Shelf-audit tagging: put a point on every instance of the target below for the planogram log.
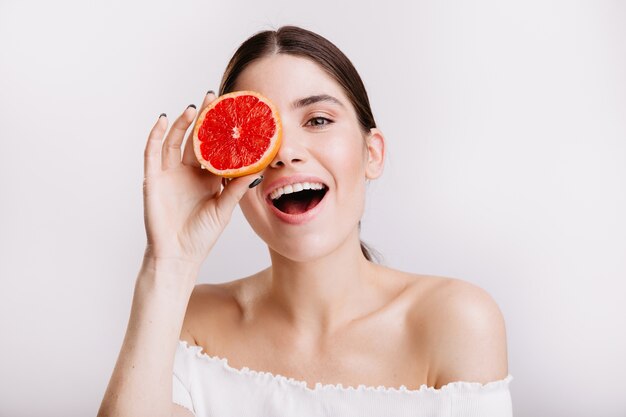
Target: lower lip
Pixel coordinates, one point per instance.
(298, 218)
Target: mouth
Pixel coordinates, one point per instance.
(298, 198)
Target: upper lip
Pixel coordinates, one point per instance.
(292, 179)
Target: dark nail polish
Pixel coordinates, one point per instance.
(256, 182)
(191, 105)
(210, 92)
(162, 115)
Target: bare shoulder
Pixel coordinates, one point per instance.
(210, 307)
(464, 329)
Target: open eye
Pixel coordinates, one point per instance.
(318, 122)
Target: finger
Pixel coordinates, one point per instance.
(171, 144)
(189, 156)
(152, 153)
(234, 191)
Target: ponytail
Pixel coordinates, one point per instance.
(371, 254)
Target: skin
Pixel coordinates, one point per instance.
(321, 312)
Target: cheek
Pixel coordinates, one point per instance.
(251, 209)
(245, 204)
(347, 161)
(250, 204)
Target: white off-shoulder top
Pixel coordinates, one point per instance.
(209, 387)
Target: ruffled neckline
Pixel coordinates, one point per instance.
(452, 387)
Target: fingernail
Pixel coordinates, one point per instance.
(256, 182)
(210, 92)
(162, 115)
(191, 105)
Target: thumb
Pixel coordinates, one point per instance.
(234, 191)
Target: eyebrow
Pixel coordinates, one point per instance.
(307, 101)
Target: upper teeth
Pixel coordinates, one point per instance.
(294, 188)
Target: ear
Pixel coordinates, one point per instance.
(376, 154)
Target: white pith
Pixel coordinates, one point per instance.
(295, 187)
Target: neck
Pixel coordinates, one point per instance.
(318, 297)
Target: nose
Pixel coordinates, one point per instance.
(291, 152)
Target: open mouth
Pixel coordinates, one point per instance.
(298, 198)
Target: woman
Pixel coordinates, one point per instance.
(323, 330)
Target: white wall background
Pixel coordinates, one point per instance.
(506, 128)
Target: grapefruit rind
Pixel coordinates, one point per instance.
(253, 168)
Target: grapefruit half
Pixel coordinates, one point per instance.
(238, 134)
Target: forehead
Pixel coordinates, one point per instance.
(285, 78)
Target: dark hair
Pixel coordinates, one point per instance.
(293, 40)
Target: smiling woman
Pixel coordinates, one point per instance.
(323, 330)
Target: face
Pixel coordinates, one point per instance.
(323, 148)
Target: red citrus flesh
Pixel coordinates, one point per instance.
(237, 134)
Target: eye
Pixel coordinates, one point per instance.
(318, 122)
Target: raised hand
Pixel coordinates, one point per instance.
(185, 207)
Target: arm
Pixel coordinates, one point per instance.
(141, 384)
(185, 211)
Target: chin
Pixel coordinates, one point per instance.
(313, 247)
(300, 252)
(309, 239)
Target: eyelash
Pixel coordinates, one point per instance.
(319, 126)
